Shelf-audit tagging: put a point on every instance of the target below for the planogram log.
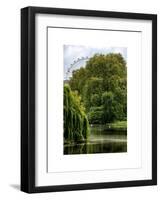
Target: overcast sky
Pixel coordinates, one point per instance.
(73, 52)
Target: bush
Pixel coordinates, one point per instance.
(95, 116)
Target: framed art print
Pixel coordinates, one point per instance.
(88, 99)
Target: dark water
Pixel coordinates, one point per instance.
(100, 140)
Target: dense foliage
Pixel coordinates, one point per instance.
(102, 85)
(76, 126)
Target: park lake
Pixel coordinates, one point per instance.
(101, 140)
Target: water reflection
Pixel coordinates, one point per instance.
(101, 140)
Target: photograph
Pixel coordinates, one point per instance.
(95, 99)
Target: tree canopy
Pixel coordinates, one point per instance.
(102, 86)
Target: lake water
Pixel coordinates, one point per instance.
(100, 140)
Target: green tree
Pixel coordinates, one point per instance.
(96, 115)
(78, 80)
(102, 85)
(92, 90)
(76, 126)
(108, 107)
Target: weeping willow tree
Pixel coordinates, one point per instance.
(76, 126)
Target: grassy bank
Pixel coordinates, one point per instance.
(115, 126)
(121, 125)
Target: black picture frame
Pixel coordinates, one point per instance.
(28, 98)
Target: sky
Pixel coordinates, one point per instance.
(73, 52)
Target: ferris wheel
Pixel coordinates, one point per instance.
(75, 65)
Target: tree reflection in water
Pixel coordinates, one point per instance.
(100, 141)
